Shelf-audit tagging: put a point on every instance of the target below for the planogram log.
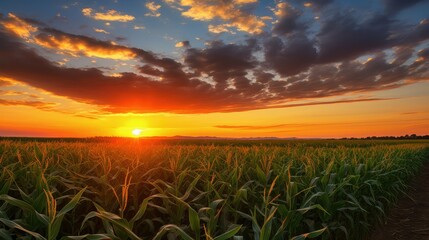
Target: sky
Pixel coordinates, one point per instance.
(226, 68)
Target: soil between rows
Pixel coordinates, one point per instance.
(409, 218)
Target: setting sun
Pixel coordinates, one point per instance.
(136, 132)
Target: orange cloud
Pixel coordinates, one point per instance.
(75, 45)
(110, 15)
(17, 93)
(71, 44)
(245, 1)
(220, 28)
(18, 26)
(228, 11)
(36, 104)
(4, 83)
(308, 4)
(182, 44)
(153, 8)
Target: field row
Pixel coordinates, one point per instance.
(135, 190)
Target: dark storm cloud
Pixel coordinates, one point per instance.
(288, 20)
(343, 37)
(394, 6)
(421, 66)
(171, 72)
(223, 62)
(354, 76)
(321, 3)
(413, 34)
(121, 39)
(424, 54)
(402, 54)
(292, 57)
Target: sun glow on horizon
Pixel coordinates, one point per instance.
(136, 132)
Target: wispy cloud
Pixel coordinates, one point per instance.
(136, 27)
(153, 9)
(99, 30)
(253, 127)
(182, 44)
(110, 15)
(297, 127)
(18, 93)
(36, 104)
(4, 83)
(221, 28)
(412, 113)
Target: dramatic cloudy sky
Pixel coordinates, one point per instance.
(238, 68)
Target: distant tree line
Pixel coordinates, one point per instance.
(412, 136)
(206, 139)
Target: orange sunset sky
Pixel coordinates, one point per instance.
(239, 68)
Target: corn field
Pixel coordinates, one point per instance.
(137, 190)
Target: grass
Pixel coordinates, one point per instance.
(216, 190)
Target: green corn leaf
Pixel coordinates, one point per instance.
(72, 204)
(91, 237)
(172, 228)
(194, 221)
(16, 202)
(15, 225)
(5, 235)
(228, 234)
(143, 207)
(100, 236)
(315, 206)
(313, 234)
(115, 220)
